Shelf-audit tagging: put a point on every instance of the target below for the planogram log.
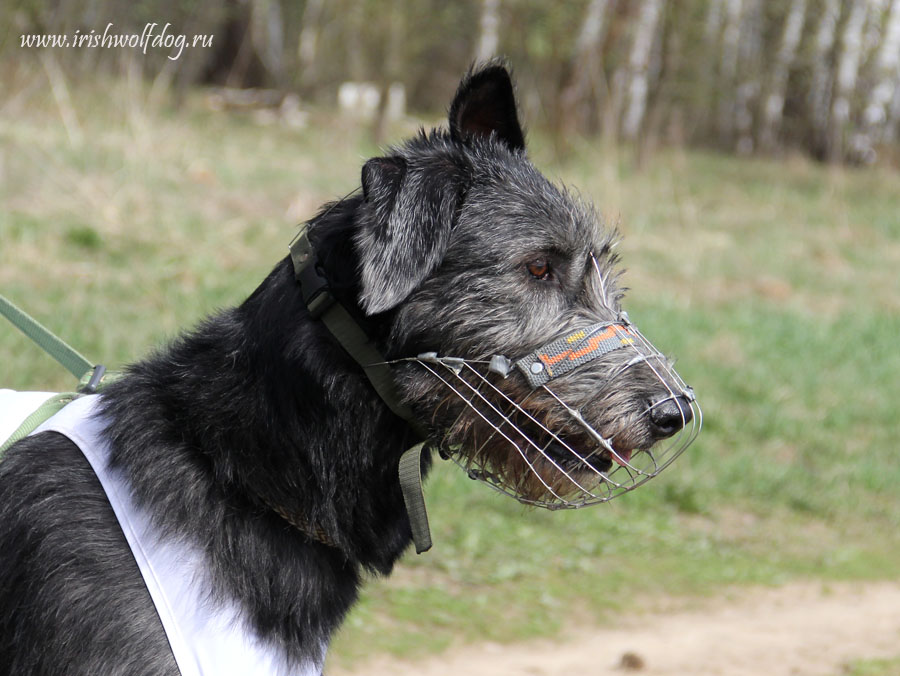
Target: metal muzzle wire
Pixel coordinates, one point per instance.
(561, 473)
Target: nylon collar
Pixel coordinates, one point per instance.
(325, 307)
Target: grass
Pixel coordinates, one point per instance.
(889, 667)
(774, 282)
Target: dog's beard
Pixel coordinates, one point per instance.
(514, 453)
(534, 445)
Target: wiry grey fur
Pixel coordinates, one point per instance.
(466, 291)
(258, 420)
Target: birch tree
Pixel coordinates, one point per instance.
(773, 108)
(713, 23)
(712, 31)
(267, 27)
(638, 64)
(731, 36)
(582, 93)
(722, 71)
(392, 67)
(845, 79)
(892, 128)
(886, 78)
(749, 76)
(489, 30)
(821, 86)
(875, 11)
(309, 40)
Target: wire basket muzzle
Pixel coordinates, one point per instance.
(518, 434)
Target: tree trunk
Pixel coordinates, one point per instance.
(664, 64)
(713, 25)
(393, 67)
(887, 74)
(638, 64)
(774, 104)
(731, 36)
(821, 86)
(892, 127)
(309, 42)
(845, 79)
(749, 75)
(489, 30)
(875, 11)
(581, 97)
(268, 38)
(707, 90)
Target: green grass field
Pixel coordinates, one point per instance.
(875, 668)
(776, 285)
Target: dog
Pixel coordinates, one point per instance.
(259, 448)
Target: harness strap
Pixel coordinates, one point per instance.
(45, 411)
(91, 378)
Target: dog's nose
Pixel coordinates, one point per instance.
(669, 415)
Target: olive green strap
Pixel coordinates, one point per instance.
(322, 305)
(43, 412)
(91, 378)
(74, 361)
(411, 485)
(352, 338)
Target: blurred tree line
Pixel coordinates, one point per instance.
(821, 76)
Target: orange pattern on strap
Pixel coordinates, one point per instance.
(592, 345)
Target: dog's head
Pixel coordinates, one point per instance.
(499, 293)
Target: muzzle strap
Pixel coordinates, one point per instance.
(571, 351)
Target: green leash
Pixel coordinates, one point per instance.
(75, 362)
(91, 378)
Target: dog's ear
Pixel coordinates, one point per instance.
(404, 226)
(485, 104)
(381, 181)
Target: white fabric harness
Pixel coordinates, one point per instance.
(207, 638)
(15, 407)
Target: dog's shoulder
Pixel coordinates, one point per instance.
(63, 558)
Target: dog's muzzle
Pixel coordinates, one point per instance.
(571, 475)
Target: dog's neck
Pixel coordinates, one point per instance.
(330, 431)
(260, 401)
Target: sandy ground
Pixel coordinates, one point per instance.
(796, 630)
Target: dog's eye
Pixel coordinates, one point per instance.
(540, 269)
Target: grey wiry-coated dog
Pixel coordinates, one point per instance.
(259, 441)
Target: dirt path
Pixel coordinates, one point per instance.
(796, 630)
